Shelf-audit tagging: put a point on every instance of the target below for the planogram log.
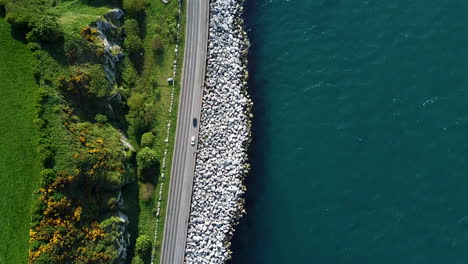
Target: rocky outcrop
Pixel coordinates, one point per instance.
(221, 163)
(117, 236)
(109, 32)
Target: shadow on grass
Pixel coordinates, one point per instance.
(101, 3)
(138, 62)
(143, 24)
(151, 175)
(56, 50)
(19, 33)
(131, 198)
(159, 56)
(2, 11)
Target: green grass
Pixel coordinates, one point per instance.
(74, 15)
(160, 16)
(19, 164)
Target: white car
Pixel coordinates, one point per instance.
(192, 141)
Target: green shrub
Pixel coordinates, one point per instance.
(44, 258)
(176, 13)
(45, 148)
(33, 46)
(136, 101)
(134, 7)
(142, 115)
(137, 260)
(154, 82)
(133, 45)
(35, 64)
(17, 19)
(46, 29)
(76, 84)
(129, 74)
(39, 123)
(113, 181)
(147, 158)
(173, 32)
(35, 245)
(56, 196)
(99, 86)
(131, 27)
(147, 139)
(37, 212)
(111, 203)
(42, 95)
(77, 48)
(100, 118)
(46, 154)
(143, 246)
(48, 176)
(86, 84)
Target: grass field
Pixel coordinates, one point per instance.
(19, 164)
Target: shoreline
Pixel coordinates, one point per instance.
(225, 135)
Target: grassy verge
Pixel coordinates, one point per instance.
(160, 68)
(19, 164)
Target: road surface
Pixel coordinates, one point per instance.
(183, 162)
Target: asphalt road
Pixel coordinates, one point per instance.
(183, 162)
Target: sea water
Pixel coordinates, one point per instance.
(360, 151)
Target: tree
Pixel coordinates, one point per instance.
(131, 27)
(147, 158)
(142, 115)
(134, 7)
(47, 29)
(136, 101)
(143, 246)
(137, 260)
(147, 139)
(18, 18)
(100, 118)
(133, 45)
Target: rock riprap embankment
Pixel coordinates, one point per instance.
(221, 164)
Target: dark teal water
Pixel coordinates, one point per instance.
(360, 150)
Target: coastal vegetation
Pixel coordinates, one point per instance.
(101, 107)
